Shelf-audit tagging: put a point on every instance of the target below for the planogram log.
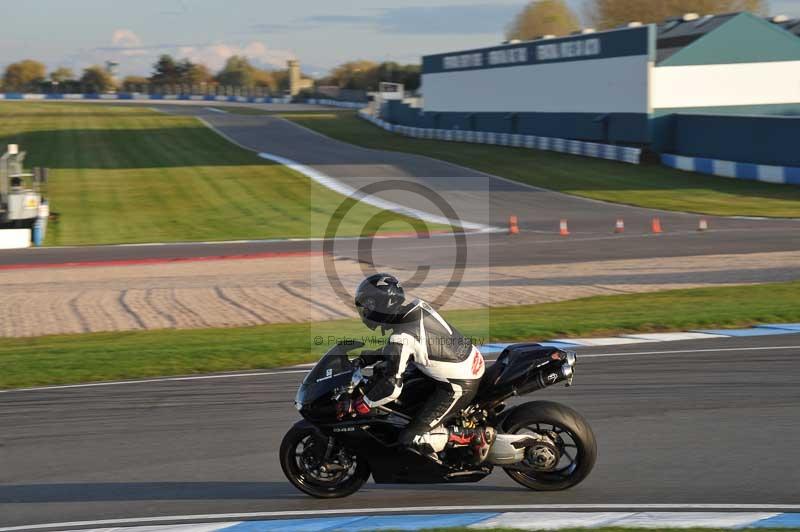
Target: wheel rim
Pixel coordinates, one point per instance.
(538, 462)
(310, 469)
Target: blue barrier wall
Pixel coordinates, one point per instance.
(629, 128)
(769, 140)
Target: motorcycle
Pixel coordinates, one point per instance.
(542, 445)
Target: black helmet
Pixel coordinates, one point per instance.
(378, 298)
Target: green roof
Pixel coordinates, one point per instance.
(744, 38)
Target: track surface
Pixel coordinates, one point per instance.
(474, 196)
(715, 422)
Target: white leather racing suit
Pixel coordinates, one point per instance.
(422, 338)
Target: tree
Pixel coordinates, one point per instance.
(62, 74)
(365, 75)
(267, 79)
(135, 83)
(97, 79)
(24, 76)
(543, 17)
(359, 75)
(606, 14)
(408, 75)
(193, 73)
(165, 71)
(237, 72)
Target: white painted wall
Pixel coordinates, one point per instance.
(613, 85)
(722, 85)
(15, 238)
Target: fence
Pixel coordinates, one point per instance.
(575, 147)
(785, 175)
(142, 96)
(758, 140)
(337, 103)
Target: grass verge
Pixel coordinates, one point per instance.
(648, 185)
(611, 529)
(127, 175)
(123, 355)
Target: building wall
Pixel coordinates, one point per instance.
(588, 87)
(614, 85)
(768, 140)
(720, 85)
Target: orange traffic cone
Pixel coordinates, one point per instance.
(563, 229)
(620, 227)
(703, 225)
(513, 225)
(657, 225)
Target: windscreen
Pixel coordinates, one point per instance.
(333, 363)
(332, 371)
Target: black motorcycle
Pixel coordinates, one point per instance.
(542, 445)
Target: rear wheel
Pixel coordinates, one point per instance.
(566, 454)
(319, 466)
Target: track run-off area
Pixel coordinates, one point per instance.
(710, 422)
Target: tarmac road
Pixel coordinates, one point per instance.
(475, 197)
(712, 421)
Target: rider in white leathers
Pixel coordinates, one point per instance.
(422, 338)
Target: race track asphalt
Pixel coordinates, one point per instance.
(475, 197)
(711, 421)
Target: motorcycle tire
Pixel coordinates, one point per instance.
(305, 482)
(548, 414)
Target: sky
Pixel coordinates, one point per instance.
(321, 33)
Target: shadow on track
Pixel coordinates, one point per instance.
(160, 491)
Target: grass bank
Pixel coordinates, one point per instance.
(613, 529)
(131, 174)
(108, 356)
(648, 185)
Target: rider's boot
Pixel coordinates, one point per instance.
(479, 439)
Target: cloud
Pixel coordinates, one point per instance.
(428, 20)
(215, 55)
(125, 38)
(127, 43)
(136, 57)
(785, 7)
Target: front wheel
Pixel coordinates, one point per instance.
(319, 466)
(564, 458)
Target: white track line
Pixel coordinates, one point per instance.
(295, 371)
(685, 351)
(163, 379)
(347, 191)
(407, 509)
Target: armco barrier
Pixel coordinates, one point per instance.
(576, 147)
(176, 97)
(784, 175)
(336, 103)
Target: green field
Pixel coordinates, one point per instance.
(107, 356)
(130, 174)
(615, 529)
(648, 185)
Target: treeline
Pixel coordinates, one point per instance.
(366, 75)
(175, 76)
(554, 17)
(31, 76)
(169, 75)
